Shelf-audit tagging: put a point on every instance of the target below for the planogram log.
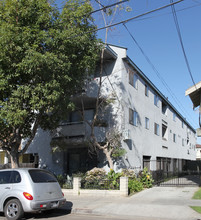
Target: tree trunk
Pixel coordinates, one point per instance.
(109, 159)
(14, 156)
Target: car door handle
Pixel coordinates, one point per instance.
(7, 188)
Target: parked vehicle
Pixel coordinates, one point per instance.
(28, 190)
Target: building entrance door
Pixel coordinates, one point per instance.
(74, 163)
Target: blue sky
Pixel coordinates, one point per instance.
(157, 35)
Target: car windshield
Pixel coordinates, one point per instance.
(40, 176)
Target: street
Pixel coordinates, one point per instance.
(62, 214)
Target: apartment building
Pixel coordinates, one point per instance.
(154, 133)
(198, 152)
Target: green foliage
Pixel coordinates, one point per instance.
(197, 194)
(61, 179)
(146, 178)
(134, 185)
(196, 208)
(118, 152)
(114, 177)
(45, 57)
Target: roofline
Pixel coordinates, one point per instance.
(111, 52)
(145, 78)
(113, 45)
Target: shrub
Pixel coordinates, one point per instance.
(128, 173)
(61, 179)
(134, 185)
(146, 178)
(114, 177)
(95, 174)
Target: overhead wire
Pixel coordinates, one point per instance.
(181, 42)
(158, 74)
(103, 7)
(183, 9)
(127, 20)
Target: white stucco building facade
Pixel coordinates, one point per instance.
(155, 134)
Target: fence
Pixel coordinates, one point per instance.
(102, 184)
(105, 186)
(183, 178)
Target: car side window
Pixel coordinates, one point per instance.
(15, 177)
(5, 177)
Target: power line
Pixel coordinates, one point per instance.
(158, 74)
(101, 9)
(183, 9)
(181, 41)
(127, 20)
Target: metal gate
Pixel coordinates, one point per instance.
(184, 178)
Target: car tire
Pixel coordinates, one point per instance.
(13, 210)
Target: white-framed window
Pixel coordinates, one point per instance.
(156, 129)
(147, 123)
(156, 100)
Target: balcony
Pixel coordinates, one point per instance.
(77, 133)
(69, 130)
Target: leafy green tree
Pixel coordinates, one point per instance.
(45, 56)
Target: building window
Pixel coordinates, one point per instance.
(131, 74)
(182, 141)
(182, 124)
(156, 100)
(147, 123)
(156, 129)
(135, 81)
(164, 108)
(146, 162)
(164, 132)
(146, 90)
(133, 78)
(133, 117)
(174, 138)
(174, 116)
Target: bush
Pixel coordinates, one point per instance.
(146, 178)
(114, 177)
(134, 185)
(95, 174)
(128, 173)
(61, 179)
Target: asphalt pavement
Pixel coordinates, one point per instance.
(157, 203)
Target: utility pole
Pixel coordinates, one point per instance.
(194, 93)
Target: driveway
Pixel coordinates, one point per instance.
(157, 203)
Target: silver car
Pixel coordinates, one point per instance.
(28, 190)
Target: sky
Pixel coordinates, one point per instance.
(161, 57)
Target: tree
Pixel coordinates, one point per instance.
(111, 146)
(45, 56)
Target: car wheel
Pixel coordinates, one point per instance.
(13, 210)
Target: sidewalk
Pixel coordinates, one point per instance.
(157, 203)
